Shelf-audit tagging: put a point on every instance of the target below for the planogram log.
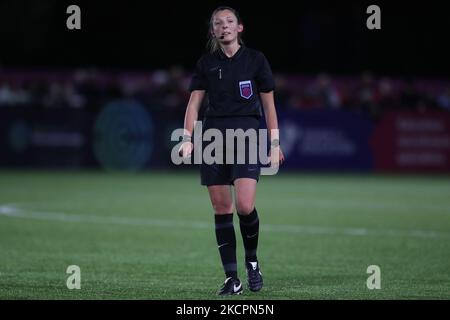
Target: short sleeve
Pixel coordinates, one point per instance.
(264, 76)
(198, 80)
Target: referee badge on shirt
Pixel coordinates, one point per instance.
(245, 88)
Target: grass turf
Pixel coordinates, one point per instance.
(150, 236)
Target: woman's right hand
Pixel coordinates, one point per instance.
(186, 149)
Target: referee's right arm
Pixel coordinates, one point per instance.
(195, 101)
(193, 107)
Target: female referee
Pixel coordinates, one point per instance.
(238, 80)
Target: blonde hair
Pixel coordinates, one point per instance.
(213, 44)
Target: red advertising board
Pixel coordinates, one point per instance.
(412, 142)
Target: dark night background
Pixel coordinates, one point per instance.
(296, 36)
(88, 145)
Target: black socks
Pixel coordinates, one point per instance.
(226, 241)
(250, 230)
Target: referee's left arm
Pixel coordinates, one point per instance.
(275, 154)
(267, 100)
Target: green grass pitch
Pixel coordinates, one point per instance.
(150, 235)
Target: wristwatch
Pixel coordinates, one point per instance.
(275, 143)
(187, 138)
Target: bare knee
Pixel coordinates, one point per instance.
(221, 199)
(244, 207)
(222, 207)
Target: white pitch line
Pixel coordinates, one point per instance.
(333, 204)
(14, 211)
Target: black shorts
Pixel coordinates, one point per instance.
(225, 174)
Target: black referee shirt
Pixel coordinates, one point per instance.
(233, 83)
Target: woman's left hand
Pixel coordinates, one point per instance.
(276, 156)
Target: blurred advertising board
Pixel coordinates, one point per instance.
(412, 142)
(326, 140)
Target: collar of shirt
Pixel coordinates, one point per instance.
(223, 56)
